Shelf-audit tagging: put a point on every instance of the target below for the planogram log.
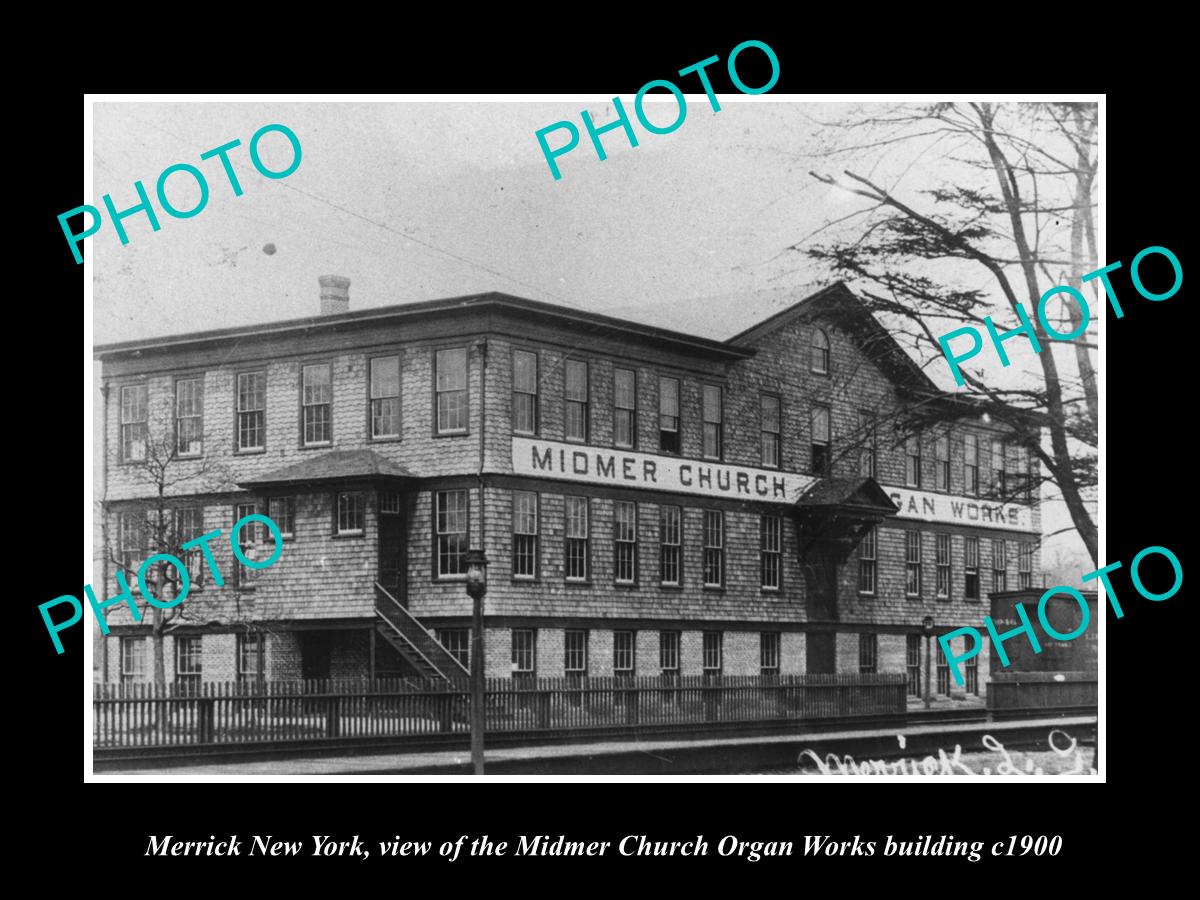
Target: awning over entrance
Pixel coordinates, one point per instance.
(831, 518)
(334, 465)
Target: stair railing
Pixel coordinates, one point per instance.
(409, 618)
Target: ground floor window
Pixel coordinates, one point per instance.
(133, 659)
(768, 654)
(188, 668)
(712, 654)
(913, 660)
(972, 675)
(623, 654)
(868, 654)
(943, 675)
(458, 642)
(524, 647)
(249, 658)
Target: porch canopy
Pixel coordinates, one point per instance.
(333, 466)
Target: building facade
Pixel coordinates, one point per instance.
(650, 502)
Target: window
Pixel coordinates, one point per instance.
(625, 542)
(819, 362)
(668, 415)
(524, 653)
(972, 673)
(189, 416)
(821, 456)
(525, 392)
(350, 513)
(943, 567)
(457, 642)
(1024, 565)
(912, 460)
(451, 519)
(669, 541)
(576, 397)
(769, 425)
(385, 397)
(768, 654)
(189, 525)
(770, 545)
(282, 511)
(941, 455)
(866, 562)
(188, 665)
(451, 389)
(868, 452)
(1024, 474)
(913, 660)
(912, 563)
(525, 534)
(577, 538)
(623, 654)
(252, 411)
(868, 654)
(971, 568)
(133, 659)
(624, 408)
(999, 479)
(714, 548)
(575, 654)
(712, 415)
(943, 674)
(251, 539)
(971, 465)
(999, 566)
(133, 422)
(712, 654)
(668, 654)
(133, 539)
(317, 401)
(249, 658)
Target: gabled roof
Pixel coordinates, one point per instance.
(332, 465)
(839, 305)
(855, 493)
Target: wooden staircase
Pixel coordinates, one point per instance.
(414, 641)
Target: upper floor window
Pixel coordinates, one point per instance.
(624, 408)
(769, 424)
(576, 398)
(999, 477)
(867, 447)
(525, 392)
(134, 415)
(668, 415)
(821, 455)
(971, 568)
(318, 404)
(282, 511)
(251, 541)
(866, 562)
(625, 541)
(451, 389)
(820, 352)
(770, 551)
(385, 397)
(350, 513)
(134, 540)
(1024, 565)
(912, 563)
(943, 567)
(1024, 474)
(252, 410)
(452, 534)
(999, 565)
(525, 534)
(189, 525)
(577, 538)
(941, 455)
(669, 542)
(189, 416)
(712, 414)
(971, 465)
(714, 548)
(912, 461)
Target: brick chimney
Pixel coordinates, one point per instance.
(335, 294)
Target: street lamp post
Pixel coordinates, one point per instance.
(476, 588)
(927, 624)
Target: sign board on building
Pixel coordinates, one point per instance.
(1064, 614)
(626, 468)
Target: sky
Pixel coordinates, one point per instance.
(420, 200)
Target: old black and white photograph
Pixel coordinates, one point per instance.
(538, 437)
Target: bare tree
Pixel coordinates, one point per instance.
(1026, 221)
(160, 522)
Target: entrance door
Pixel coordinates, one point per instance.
(391, 544)
(314, 654)
(821, 653)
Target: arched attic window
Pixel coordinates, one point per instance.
(819, 362)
